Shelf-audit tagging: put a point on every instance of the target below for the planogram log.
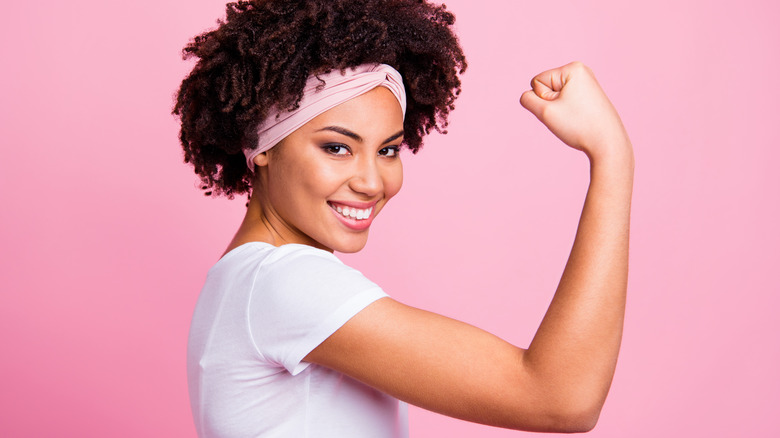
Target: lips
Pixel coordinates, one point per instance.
(352, 212)
(355, 217)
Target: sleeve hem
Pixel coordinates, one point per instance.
(294, 363)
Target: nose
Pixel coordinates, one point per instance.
(367, 178)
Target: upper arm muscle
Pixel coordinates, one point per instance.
(434, 362)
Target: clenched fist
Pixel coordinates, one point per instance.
(570, 102)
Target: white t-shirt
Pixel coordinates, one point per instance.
(262, 310)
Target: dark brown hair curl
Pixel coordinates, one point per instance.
(261, 55)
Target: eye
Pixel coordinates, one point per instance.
(336, 149)
(389, 151)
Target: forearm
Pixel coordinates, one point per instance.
(575, 349)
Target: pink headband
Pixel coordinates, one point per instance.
(318, 98)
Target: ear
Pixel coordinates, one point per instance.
(261, 159)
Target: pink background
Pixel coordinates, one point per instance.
(106, 241)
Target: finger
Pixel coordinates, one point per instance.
(544, 90)
(548, 84)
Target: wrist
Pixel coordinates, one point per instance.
(614, 167)
(614, 153)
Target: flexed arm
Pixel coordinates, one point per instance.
(560, 382)
(577, 344)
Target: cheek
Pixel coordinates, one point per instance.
(322, 179)
(303, 176)
(394, 179)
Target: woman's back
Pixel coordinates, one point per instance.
(262, 309)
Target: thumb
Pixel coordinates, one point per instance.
(533, 103)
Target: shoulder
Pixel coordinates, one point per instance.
(304, 268)
(301, 255)
(286, 267)
(266, 257)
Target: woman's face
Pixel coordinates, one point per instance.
(325, 183)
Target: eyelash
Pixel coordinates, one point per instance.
(385, 151)
(396, 150)
(329, 148)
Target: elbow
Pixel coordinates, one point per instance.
(574, 419)
(568, 404)
(579, 423)
(571, 416)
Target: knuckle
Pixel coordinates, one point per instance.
(579, 66)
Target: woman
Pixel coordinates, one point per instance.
(304, 105)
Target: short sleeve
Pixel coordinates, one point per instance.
(301, 296)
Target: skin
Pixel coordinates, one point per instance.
(347, 155)
(559, 383)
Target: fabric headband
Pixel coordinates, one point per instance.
(317, 98)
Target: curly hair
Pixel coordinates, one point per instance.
(261, 55)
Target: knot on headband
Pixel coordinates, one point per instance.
(317, 98)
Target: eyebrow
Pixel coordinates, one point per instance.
(346, 132)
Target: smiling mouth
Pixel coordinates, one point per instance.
(351, 212)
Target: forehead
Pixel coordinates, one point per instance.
(377, 109)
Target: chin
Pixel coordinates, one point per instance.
(349, 250)
(349, 247)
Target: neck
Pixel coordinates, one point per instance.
(256, 226)
(261, 224)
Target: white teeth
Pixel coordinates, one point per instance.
(354, 213)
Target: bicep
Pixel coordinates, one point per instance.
(434, 362)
